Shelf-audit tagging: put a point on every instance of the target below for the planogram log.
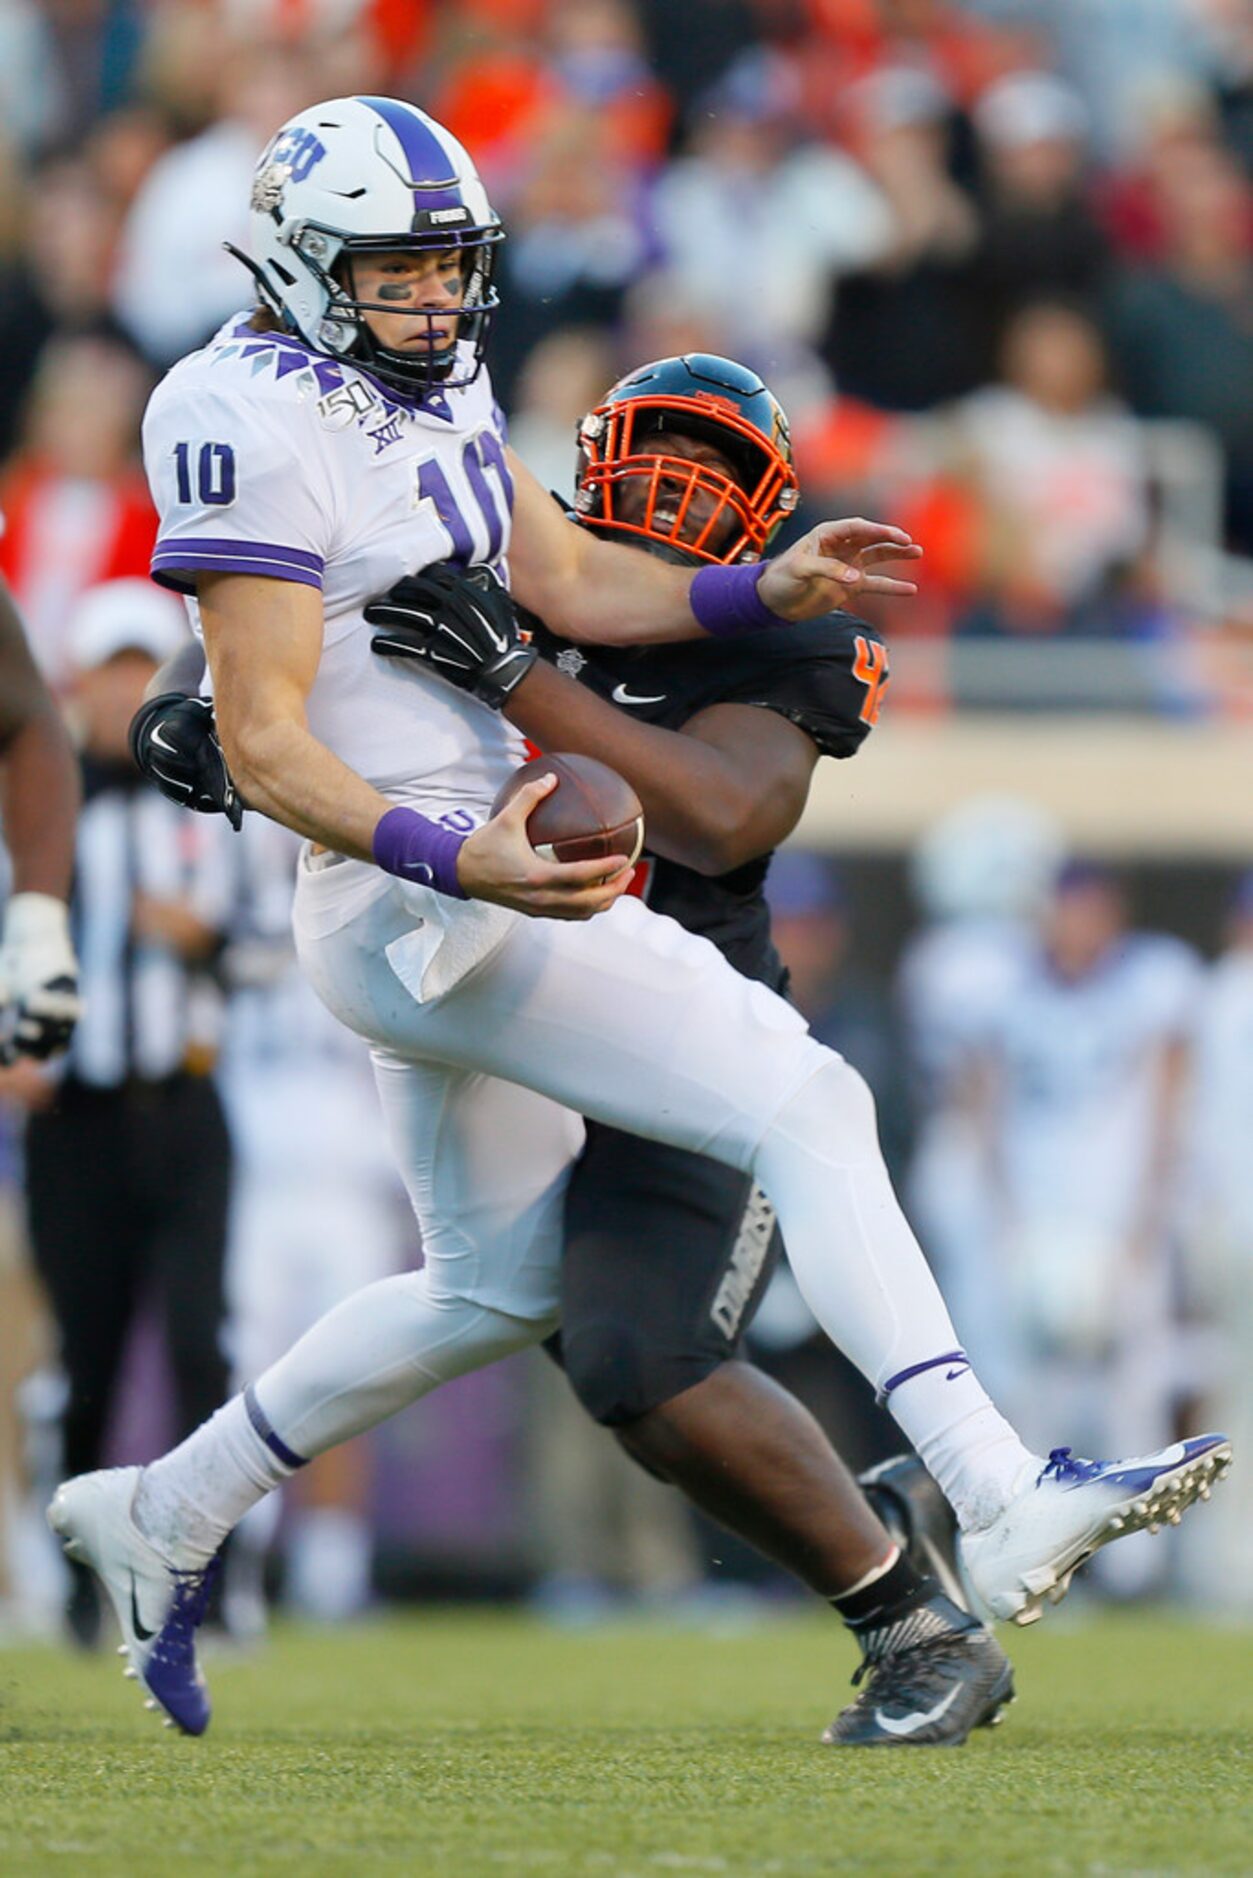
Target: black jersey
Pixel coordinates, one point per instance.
(828, 676)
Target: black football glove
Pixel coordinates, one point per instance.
(174, 741)
(460, 623)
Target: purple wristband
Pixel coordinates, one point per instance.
(415, 848)
(726, 602)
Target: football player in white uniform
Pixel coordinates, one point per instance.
(316, 1212)
(313, 452)
(1218, 1223)
(1085, 1059)
(980, 874)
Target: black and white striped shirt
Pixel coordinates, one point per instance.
(147, 1009)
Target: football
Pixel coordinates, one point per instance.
(592, 812)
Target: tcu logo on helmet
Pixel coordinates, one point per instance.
(299, 149)
(289, 159)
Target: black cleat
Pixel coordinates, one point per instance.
(919, 1520)
(926, 1690)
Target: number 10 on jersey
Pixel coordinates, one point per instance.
(214, 474)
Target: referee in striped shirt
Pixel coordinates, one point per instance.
(128, 1160)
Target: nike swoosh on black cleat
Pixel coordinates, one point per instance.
(910, 1724)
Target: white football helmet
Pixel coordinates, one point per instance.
(991, 857)
(361, 175)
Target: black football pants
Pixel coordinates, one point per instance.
(667, 1255)
(127, 1194)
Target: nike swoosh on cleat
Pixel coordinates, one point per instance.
(141, 1630)
(622, 696)
(910, 1724)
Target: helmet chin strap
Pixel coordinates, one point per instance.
(437, 365)
(265, 290)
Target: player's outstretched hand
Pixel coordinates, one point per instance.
(835, 565)
(497, 862)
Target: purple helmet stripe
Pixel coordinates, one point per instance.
(429, 163)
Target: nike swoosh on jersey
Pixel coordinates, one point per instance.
(621, 695)
(141, 1629)
(910, 1724)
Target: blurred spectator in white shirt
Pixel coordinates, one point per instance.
(32, 96)
(175, 283)
(757, 224)
(1058, 466)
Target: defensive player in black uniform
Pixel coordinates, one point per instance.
(667, 1253)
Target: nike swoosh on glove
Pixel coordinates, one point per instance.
(38, 977)
(460, 623)
(174, 741)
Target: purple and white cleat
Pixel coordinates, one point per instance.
(158, 1605)
(1065, 1510)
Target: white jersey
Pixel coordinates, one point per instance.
(1222, 1099)
(269, 459)
(1078, 1061)
(952, 976)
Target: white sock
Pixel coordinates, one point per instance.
(379, 1350)
(963, 1440)
(191, 1498)
(863, 1275)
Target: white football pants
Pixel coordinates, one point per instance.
(629, 1020)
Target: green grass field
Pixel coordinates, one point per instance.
(450, 1746)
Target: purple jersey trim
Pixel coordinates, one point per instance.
(432, 171)
(213, 554)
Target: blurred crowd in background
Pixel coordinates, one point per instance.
(996, 259)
